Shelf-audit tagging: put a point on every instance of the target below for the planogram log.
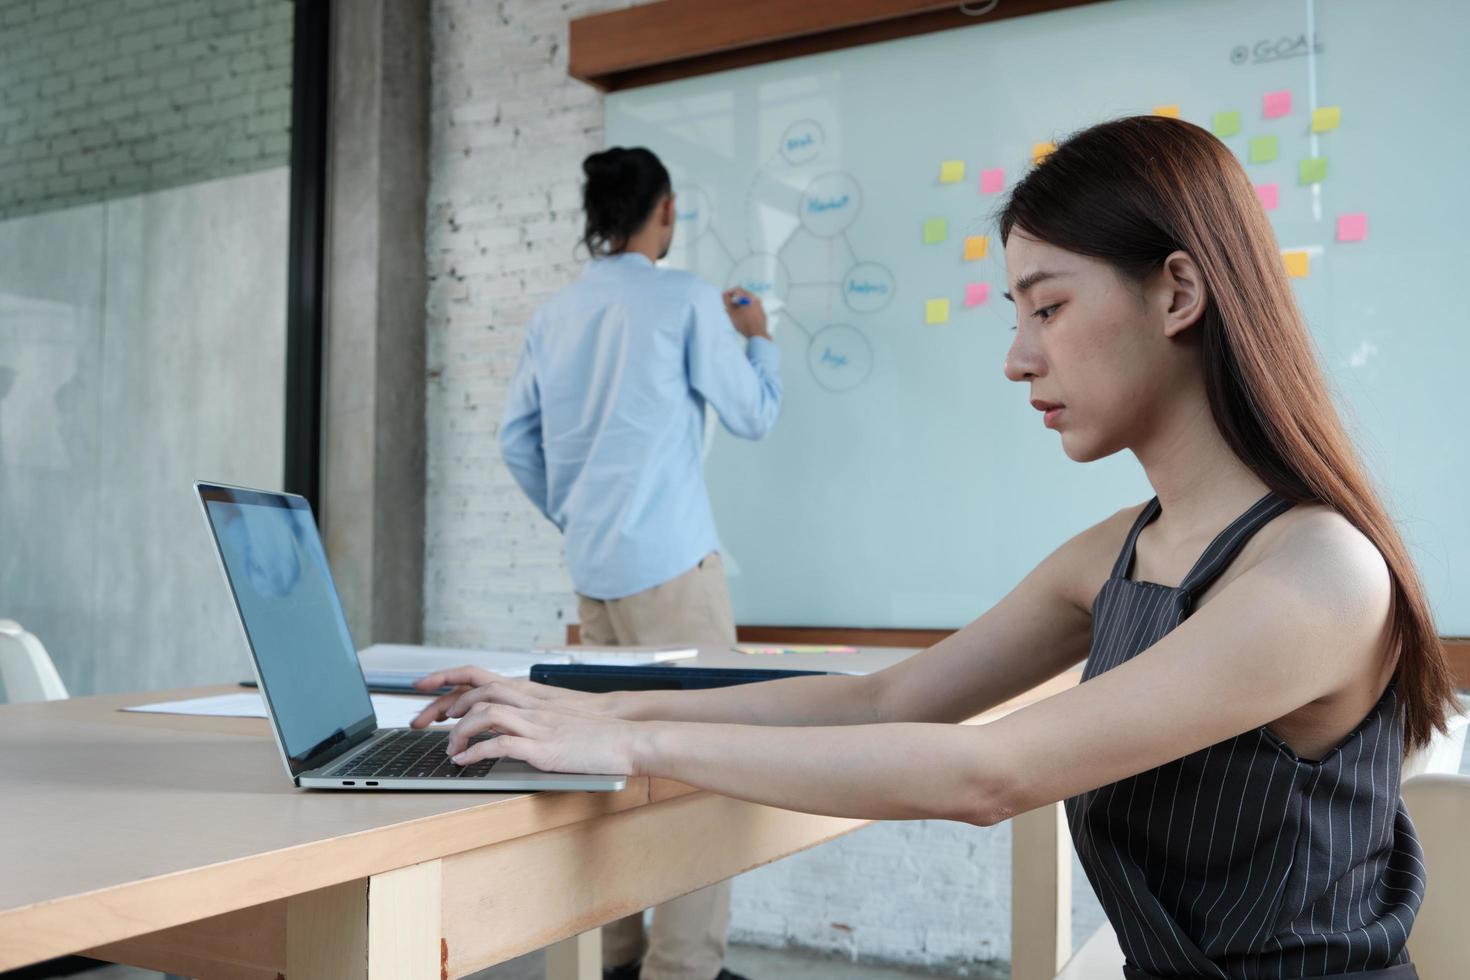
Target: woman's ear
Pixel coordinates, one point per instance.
(666, 213)
(1183, 289)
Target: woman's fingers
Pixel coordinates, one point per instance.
(500, 747)
(455, 677)
(498, 718)
(437, 709)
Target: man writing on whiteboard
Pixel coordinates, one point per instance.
(604, 430)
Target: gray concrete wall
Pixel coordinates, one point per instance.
(142, 346)
(112, 98)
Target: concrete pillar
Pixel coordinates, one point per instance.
(373, 402)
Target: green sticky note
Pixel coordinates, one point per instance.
(1312, 170)
(935, 230)
(1326, 118)
(1263, 149)
(1224, 124)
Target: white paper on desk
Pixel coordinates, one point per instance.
(392, 711)
(390, 662)
(618, 656)
(405, 660)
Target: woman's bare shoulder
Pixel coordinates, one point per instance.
(1086, 560)
(1318, 556)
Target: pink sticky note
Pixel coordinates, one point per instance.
(992, 181)
(1270, 195)
(1274, 105)
(976, 293)
(1352, 227)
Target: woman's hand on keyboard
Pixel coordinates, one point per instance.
(556, 737)
(475, 685)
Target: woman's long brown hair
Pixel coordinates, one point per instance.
(1132, 191)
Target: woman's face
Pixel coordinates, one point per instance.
(1091, 346)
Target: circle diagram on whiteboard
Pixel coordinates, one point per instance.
(691, 211)
(867, 287)
(830, 204)
(840, 357)
(763, 274)
(802, 142)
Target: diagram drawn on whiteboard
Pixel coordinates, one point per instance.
(794, 252)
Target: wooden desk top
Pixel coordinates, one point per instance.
(114, 824)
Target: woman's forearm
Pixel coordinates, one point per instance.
(882, 772)
(795, 701)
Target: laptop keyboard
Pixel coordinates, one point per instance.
(412, 754)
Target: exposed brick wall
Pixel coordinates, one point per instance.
(102, 99)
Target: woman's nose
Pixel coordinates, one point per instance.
(1023, 361)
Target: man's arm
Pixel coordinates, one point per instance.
(738, 371)
(520, 432)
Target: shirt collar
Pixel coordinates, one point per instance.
(623, 258)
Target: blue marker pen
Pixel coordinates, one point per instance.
(742, 300)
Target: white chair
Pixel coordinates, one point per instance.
(1439, 804)
(25, 668)
(1041, 882)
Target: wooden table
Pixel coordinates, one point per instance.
(178, 844)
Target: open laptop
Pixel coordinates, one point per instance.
(307, 668)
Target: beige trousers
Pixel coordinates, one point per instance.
(687, 939)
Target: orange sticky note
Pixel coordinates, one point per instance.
(1270, 195)
(976, 293)
(976, 246)
(1352, 227)
(1298, 264)
(992, 181)
(1274, 105)
(1172, 111)
(1040, 151)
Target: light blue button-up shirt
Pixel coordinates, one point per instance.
(604, 426)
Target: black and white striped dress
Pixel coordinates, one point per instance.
(1241, 860)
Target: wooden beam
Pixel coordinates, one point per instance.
(670, 39)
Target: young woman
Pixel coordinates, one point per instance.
(1258, 648)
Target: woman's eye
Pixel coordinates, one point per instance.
(1046, 312)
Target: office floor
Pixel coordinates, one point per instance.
(754, 962)
(751, 961)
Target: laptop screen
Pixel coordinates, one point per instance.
(278, 572)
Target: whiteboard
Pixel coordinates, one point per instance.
(907, 483)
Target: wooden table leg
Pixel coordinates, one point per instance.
(387, 927)
(576, 958)
(1041, 893)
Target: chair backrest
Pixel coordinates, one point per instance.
(1445, 749)
(25, 667)
(1439, 804)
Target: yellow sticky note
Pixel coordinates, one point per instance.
(1172, 111)
(936, 311)
(951, 171)
(1328, 117)
(1297, 264)
(976, 246)
(1040, 151)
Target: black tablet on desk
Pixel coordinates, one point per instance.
(601, 679)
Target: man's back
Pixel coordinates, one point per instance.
(604, 422)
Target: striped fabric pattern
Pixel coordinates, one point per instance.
(1243, 861)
